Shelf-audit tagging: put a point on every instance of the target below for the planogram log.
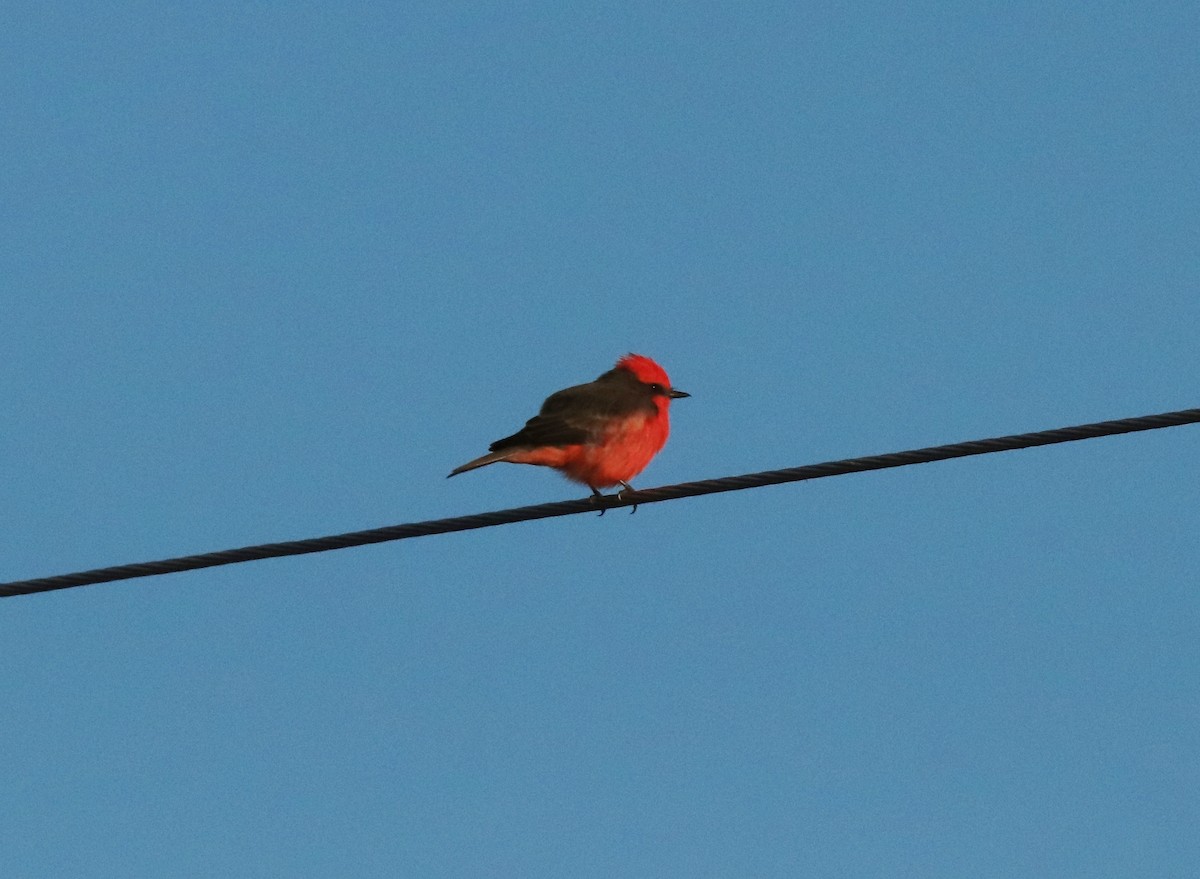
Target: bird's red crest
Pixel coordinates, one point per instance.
(644, 369)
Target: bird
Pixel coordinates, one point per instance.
(600, 434)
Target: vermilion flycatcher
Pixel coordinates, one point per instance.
(601, 434)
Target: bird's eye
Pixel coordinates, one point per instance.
(658, 389)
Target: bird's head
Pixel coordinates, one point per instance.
(650, 373)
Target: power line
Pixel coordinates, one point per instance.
(590, 505)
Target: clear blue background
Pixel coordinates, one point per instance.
(270, 270)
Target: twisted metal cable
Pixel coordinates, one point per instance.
(591, 505)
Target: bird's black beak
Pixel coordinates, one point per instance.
(675, 394)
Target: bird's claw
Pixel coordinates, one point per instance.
(598, 497)
(625, 486)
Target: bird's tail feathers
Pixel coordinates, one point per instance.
(489, 458)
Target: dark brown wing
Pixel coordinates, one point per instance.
(579, 415)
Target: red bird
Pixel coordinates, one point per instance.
(601, 434)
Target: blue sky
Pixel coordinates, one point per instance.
(270, 271)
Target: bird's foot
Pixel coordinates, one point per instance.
(598, 497)
(625, 486)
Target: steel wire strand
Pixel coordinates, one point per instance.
(586, 505)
